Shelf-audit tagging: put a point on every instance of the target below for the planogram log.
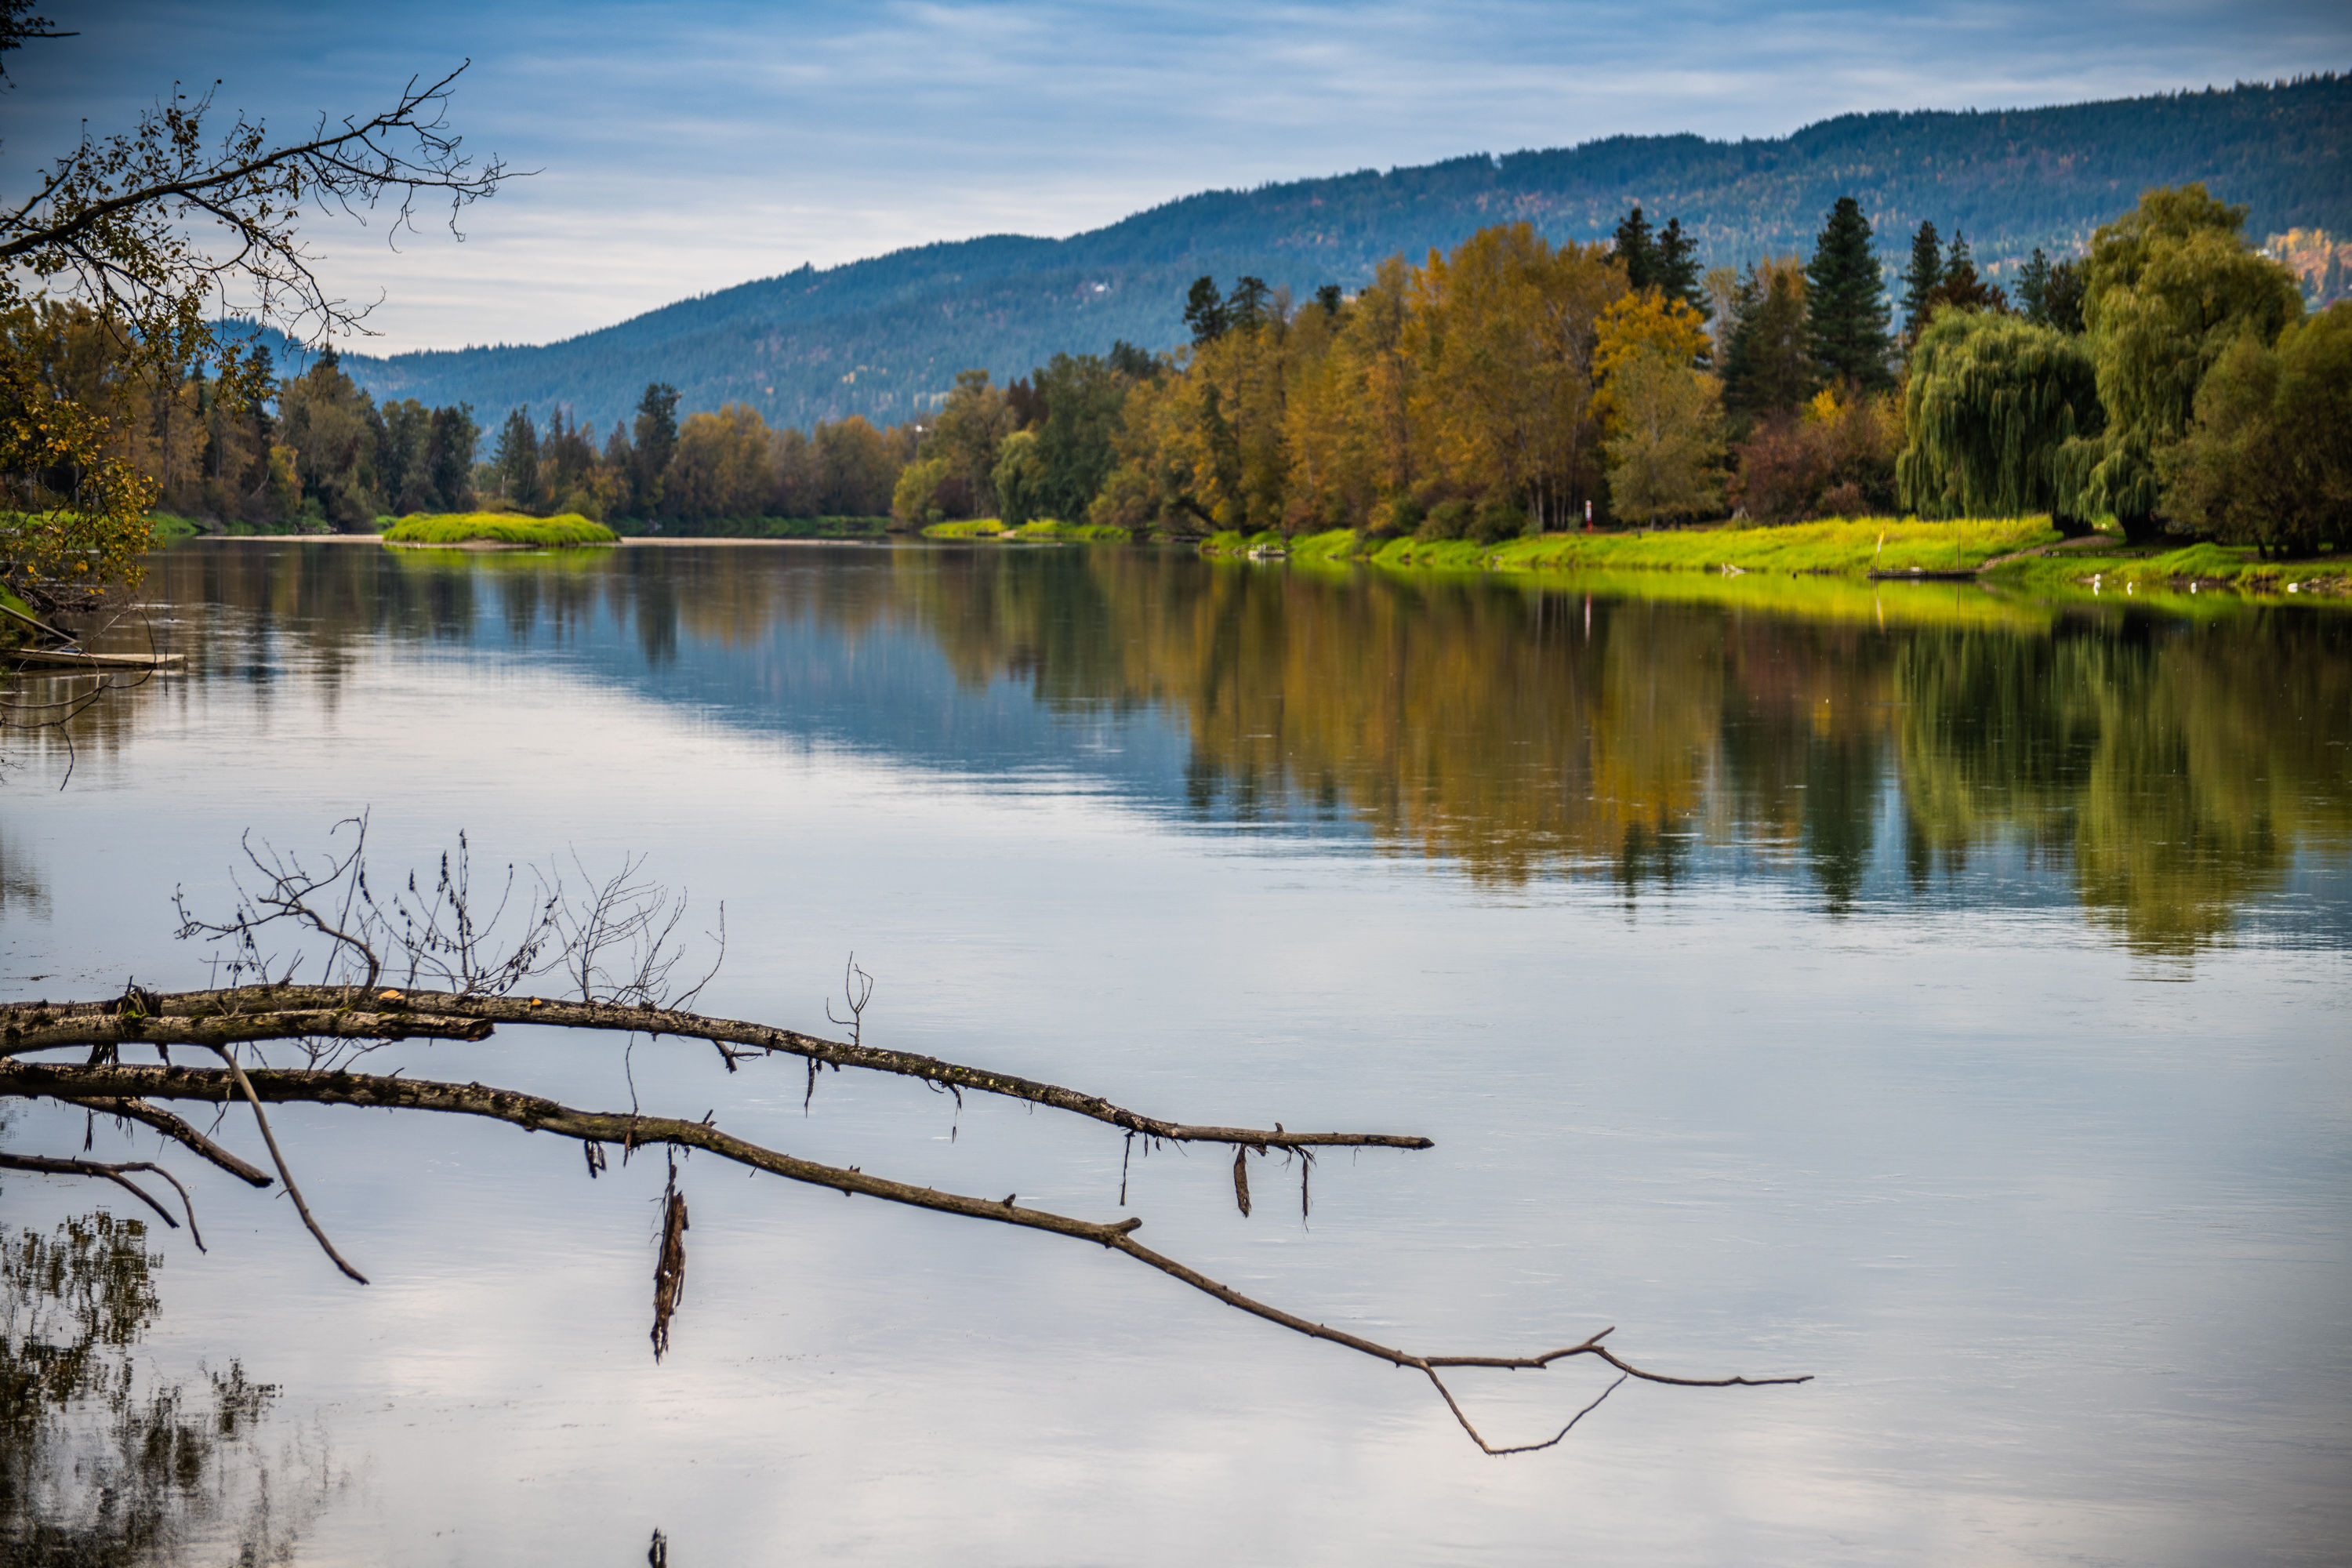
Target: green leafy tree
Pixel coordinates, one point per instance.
(972, 423)
(1921, 278)
(2269, 460)
(1988, 409)
(914, 499)
(1845, 302)
(1665, 447)
(1020, 479)
(2170, 287)
(1077, 444)
(330, 424)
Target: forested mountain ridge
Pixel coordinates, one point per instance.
(885, 337)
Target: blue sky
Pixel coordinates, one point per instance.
(684, 148)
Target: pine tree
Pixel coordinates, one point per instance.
(1637, 251)
(1205, 311)
(1845, 301)
(1921, 279)
(517, 458)
(1963, 285)
(2033, 288)
(1245, 307)
(1675, 267)
(2062, 297)
(1765, 370)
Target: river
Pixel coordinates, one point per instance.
(1939, 993)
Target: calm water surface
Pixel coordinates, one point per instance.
(1923, 990)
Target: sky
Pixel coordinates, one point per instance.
(678, 149)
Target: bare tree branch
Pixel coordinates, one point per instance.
(173, 1128)
(43, 1165)
(540, 1115)
(244, 1084)
(260, 1012)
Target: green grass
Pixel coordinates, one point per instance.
(498, 528)
(1044, 529)
(2175, 578)
(1842, 547)
(171, 525)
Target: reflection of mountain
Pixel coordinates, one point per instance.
(2166, 777)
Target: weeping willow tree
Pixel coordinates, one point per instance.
(1992, 407)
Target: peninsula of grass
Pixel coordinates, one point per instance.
(488, 530)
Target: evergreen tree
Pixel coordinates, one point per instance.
(2062, 297)
(1845, 301)
(517, 458)
(1330, 298)
(1637, 251)
(1246, 306)
(1675, 267)
(1766, 367)
(449, 443)
(1921, 279)
(2033, 288)
(1205, 311)
(655, 434)
(1963, 286)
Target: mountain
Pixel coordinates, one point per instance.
(885, 337)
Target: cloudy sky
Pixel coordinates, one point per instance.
(686, 147)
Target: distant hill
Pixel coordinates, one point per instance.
(885, 337)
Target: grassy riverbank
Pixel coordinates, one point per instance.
(1042, 531)
(2169, 574)
(1840, 547)
(485, 528)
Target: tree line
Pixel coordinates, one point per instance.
(2169, 376)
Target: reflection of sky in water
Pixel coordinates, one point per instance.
(2066, 1247)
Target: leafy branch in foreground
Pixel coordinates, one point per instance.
(366, 954)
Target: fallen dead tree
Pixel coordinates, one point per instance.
(432, 966)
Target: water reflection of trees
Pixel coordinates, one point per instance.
(101, 1463)
(2173, 771)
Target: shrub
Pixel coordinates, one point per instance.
(1498, 520)
(1447, 520)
